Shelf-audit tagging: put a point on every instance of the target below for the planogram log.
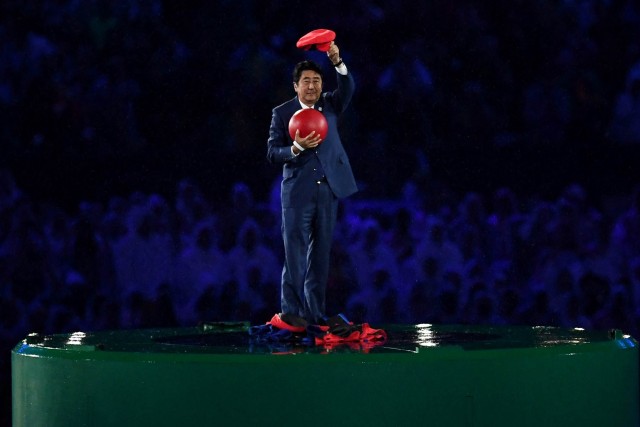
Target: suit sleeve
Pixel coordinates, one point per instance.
(278, 145)
(341, 96)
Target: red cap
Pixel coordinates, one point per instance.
(319, 39)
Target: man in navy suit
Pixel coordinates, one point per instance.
(316, 173)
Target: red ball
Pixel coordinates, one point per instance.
(308, 120)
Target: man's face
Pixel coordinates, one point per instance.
(309, 87)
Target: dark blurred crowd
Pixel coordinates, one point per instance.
(146, 261)
(145, 92)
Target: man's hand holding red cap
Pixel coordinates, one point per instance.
(334, 54)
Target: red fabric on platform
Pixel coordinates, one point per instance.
(277, 322)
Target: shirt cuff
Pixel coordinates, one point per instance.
(342, 69)
(298, 146)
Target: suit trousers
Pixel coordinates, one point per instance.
(307, 233)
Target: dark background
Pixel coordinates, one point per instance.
(103, 99)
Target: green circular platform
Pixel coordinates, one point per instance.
(422, 375)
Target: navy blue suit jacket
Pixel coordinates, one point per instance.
(298, 172)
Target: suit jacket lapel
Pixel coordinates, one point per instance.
(295, 105)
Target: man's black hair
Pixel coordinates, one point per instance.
(304, 66)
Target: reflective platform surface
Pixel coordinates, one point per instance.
(233, 338)
(215, 374)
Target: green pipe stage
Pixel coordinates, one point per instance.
(431, 375)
